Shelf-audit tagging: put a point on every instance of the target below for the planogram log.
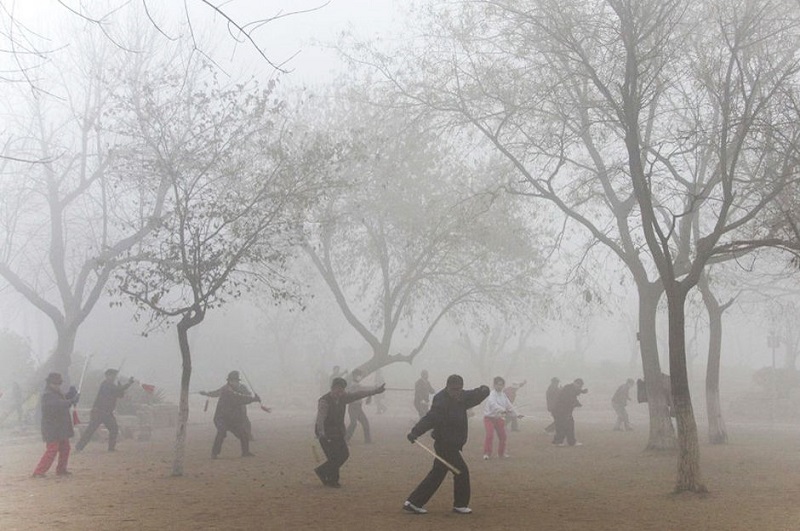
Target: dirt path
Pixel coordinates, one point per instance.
(609, 483)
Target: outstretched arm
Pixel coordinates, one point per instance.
(475, 396)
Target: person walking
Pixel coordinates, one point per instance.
(231, 415)
(422, 394)
(551, 395)
(56, 425)
(448, 420)
(355, 410)
(566, 402)
(329, 428)
(496, 407)
(619, 402)
(103, 410)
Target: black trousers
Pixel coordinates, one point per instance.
(357, 415)
(565, 428)
(109, 421)
(337, 453)
(429, 485)
(239, 430)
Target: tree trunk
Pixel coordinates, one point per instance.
(59, 361)
(717, 433)
(662, 432)
(689, 477)
(189, 320)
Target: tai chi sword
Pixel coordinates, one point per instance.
(453, 469)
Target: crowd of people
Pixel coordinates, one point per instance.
(445, 415)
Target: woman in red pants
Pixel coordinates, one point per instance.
(56, 425)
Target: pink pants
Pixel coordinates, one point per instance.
(56, 447)
(493, 424)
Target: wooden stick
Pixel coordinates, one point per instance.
(453, 469)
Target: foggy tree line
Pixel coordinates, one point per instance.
(433, 182)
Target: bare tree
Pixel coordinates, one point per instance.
(633, 114)
(413, 236)
(71, 220)
(235, 206)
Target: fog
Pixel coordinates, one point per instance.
(281, 188)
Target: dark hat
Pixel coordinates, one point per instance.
(111, 372)
(54, 377)
(233, 376)
(338, 382)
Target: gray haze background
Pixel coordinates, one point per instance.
(242, 335)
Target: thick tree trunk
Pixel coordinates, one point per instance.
(662, 432)
(189, 320)
(717, 434)
(59, 361)
(689, 476)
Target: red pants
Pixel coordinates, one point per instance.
(56, 447)
(493, 424)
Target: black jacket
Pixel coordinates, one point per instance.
(56, 420)
(230, 406)
(568, 399)
(107, 395)
(448, 416)
(330, 413)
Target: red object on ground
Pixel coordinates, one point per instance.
(149, 388)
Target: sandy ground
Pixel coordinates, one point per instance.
(609, 483)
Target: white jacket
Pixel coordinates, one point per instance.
(497, 404)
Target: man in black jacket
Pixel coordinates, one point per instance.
(231, 415)
(103, 410)
(566, 402)
(448, 420)
(330, 429)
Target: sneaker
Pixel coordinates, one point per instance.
(561, 444)
(462, 510)
(485, 457)
(411, 508)
(578, 444)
